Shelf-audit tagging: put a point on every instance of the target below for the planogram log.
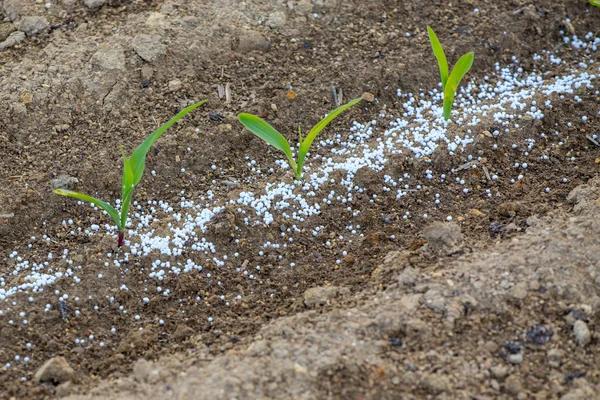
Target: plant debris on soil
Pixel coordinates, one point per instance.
(418, 258)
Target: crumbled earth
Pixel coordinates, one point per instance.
(501, 303)
(501, 323)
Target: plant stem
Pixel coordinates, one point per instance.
(121, 239)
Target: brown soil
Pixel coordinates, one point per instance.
(66, 107)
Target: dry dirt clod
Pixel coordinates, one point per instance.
(252, 40)
(93, 4)
(109, 57)
(5, 30)
(56, 371)
(435, 383)
(149, 48)
(276, 20)
(442, 238)
(322, 295)
(34, 25)
(499, 372)
(582, 333)
(64, 182)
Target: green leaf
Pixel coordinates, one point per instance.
(103, 205)
(266, 132)
(138, 157)
(463, 65)
(127, 180)
(125, 208)
(595, 3)
(438, 51)
(305, 145)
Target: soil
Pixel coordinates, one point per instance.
(493, 305)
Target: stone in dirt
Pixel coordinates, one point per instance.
(34, 25)
(251, 40)
(109, 57)
(322, 295)
(56, 371)
(5, 30)
(13, 8)
(12, 40)
(442, 238)
(276, 20)
(582, 333)
(149, 48)
(64, 182)
(435, 383)
(183, 331)
(94, 3)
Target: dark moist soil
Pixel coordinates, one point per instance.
(59, 115)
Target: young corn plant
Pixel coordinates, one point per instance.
(266, 132)
(133, 170)
(450, 81)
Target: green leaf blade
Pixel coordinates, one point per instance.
(305, 145)
(266, 132)
(138, 157)
(125, 208)
(127, 180)
(438, 52)
(102, 204)
(463, 65)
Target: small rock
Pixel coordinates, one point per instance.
(149, 48)
(582, 333)
(109, 57)
(434, 383)
(512, 347)
(516, 358)
(435, 300)
(64, 389)
(513, 385)
(490, 346)
(539, 334)
(157, 20)
(174, 85)
(276, 20)
(12, 40)
(93, 4)
(251, 40)
(56, 371)
(224, 128)
(64, 182)
(34, 25)
(322, 295)
(183, 331)
(499, 371)
(411, 302)
(408, 277)
(442, 238)
(575, 315)
(554, 357)
(519, 291)
(144, 370)
(5, 30)
(13, 9)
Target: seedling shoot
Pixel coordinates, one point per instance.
(266, 132)
(133, 170)
(450, 81)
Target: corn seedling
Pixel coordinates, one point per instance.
(595, 3)
(133, 169)
(266, 132)
(450, 81)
